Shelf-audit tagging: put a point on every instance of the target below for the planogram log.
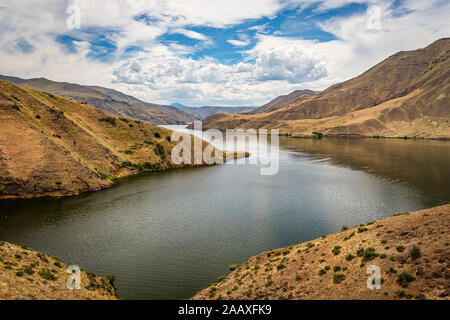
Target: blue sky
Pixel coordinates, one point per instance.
(208, 52)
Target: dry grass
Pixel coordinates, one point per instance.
(335, 267)
(29, 275)
(54, 146)
(408, 94)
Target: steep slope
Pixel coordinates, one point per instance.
(29, 275)
(55, 146)
(411, 249)
(137, 109)
(108, 100)
(407, 94)
(283, 100)
(206, 111)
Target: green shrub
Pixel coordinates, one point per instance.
(338, 278)
(349, 257)
(405, 278)
(318, 135)
(400, 248)
(362, 229)
(415, 253)
(159, 150)
(281, 266)
(157, 135)
(344, 228)
(336, 250)
(322, 272)
(46, 274)
(112, 178)
(28, 270)
(369, 254)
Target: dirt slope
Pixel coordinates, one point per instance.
(55, 146)
(412, 251)
(408, 94)
(108, 100)
(284, 100)
(29, 275)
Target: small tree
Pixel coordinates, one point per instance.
(318, 135)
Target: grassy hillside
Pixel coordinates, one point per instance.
(55, 146)
(108, 100)
(29, 275)
(412, 251)
(408, 94)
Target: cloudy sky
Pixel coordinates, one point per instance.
(211, 52)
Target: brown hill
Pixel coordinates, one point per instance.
(109, 100)
(29, 275)
(206, 111)
(412, 251)
(408, 94)
(283, 100)
(55, 146)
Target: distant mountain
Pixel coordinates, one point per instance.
(179, 105)
(408, 94)
(283, 100)
(206, 111)
(109, 100)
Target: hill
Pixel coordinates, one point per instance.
(412, 251)
(283, 100)
(109, 100)
(55, 146)
(408, 94)
(29, 275)
(204, 112)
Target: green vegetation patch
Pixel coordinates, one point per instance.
(405, 278)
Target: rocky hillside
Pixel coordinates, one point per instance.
(55, 146)
(108, 100)
(412, 251)
(281, 101)
(408, 94)
(29, 275)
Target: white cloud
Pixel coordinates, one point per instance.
(190, 34)
(238, 43)
(164, 73)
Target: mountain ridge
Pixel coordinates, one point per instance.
(52, 146)
(407, 94)
(109, 100)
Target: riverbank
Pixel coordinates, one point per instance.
(26, 274)
(51, 146)
(412, 251)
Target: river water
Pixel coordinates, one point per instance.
(170, 234)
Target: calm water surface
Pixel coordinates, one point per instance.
(167, 235)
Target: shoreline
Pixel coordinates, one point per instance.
(411, 249)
